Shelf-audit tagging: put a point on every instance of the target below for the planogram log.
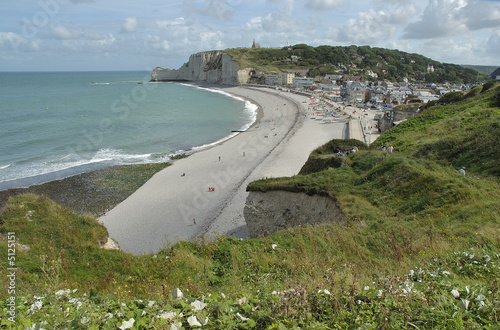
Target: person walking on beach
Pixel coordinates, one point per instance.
(194, 221)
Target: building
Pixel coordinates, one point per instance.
(279, 79)
(273, 79)
(287, 78)
(300, 82)
(255, 45)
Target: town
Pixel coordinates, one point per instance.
(377, 99)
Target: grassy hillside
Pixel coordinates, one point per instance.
(463, 131)
(420, 250)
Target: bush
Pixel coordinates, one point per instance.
(451, 97)
(489, 84)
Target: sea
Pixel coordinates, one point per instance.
(58, 124)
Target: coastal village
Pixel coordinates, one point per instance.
(372, 102)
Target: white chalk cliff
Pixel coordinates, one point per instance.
(213, 67)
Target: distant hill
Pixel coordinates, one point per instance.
(482, 68)
(388, 64)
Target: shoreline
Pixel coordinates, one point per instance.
(176, 203)
(254, 112)
(58, 189)
(160, 211)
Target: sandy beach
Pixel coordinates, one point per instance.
(177, 204)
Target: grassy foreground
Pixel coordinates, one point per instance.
(421, 249)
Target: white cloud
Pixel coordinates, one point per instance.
(129, 25)
(368, 28)
(493, 46)
(445, 18)
(281, 20)
(481, 15)
(457, 51)
(10, 41)
(219, 9)
(95, 44)
(323, 5)
(63, 33)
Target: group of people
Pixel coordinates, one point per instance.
(346, 152)
(389, 148)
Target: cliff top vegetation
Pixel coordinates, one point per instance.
(388, 64)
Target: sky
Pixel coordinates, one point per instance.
(111, 35)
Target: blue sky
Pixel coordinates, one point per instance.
(80, 35)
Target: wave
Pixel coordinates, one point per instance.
(69, 164)
(4, 167)
(250, 108)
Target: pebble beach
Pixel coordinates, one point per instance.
(205, 193)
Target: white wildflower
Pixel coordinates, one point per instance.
(108, 316)
(274, 246)
(127, 324)
(198, 305)
(359, 302)
(151, 303)
(36, 305)
(464, 304)
(168, 316)
(242, 301)
(223, 295)
(487, 258)
(84, 320)
(445, 272)
(455, 293)
(244, 319)
(366, 288)
(62, 293)
(326, 292)
(467, 288)
(176, 326)
(193, 321)
(75, 290)
(411, 272)
(380, 293)
(177, 293)
(143, 313)
(481, 297)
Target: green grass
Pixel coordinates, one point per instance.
(417, 234)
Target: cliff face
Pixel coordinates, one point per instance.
(214, 67)
(267, 212)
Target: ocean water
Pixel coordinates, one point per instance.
(54, 125)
